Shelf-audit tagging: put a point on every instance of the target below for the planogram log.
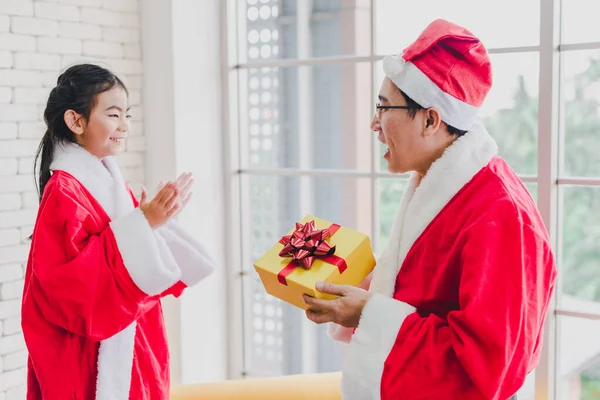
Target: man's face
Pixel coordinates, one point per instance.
(400, 132)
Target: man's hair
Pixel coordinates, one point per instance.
(414, 107)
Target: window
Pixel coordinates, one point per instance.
(303, 77)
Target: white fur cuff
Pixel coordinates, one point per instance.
(191, 257)
(141, 255)
(371, 344)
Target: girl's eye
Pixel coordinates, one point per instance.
(114, 115)
(129, 116)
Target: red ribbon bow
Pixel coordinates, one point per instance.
(306, 244)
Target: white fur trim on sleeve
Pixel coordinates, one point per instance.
(192, 258)
(165, 253)
(141, 255)
(371, 344)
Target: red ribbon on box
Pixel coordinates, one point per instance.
(306, 244)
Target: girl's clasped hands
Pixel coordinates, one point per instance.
(170, 199)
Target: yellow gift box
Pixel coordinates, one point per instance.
(285, 279)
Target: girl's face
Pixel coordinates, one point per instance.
(104, 133)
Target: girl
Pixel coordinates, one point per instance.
(100, 262)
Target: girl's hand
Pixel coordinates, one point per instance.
(162, 207)
(184, 184)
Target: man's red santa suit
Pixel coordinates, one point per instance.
(91, 316)
(462, 289)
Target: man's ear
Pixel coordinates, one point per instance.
(432, 121)
(75, 122)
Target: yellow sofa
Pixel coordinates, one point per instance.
(292, 387)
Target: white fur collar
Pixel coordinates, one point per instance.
(102, 178)
(104, 181)
(420, 204)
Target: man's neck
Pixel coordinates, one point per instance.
(435, 155)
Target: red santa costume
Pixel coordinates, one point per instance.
(461, 291)
(91, 315)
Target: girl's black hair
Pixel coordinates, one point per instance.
(76, 89)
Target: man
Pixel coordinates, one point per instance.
(456, 305)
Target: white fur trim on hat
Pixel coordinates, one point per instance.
(408, 78)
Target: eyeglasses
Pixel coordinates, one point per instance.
(379, 108)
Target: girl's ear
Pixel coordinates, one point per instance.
(75, 122)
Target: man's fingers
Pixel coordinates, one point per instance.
(330, 288)
(318, 303)
(319, 318)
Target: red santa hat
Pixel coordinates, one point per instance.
(448, 68)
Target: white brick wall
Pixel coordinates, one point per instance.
(76, 30)
(16, 7)
(17, 42)
(102, 49)
(16, 78)
(10, 201)
(58, 45)
(6, 60)
(8, 166)
(36, 61)
(5, 95)
(4, 23)
(39, 39)
(58, 12)
(12, 325)
(34, 26)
